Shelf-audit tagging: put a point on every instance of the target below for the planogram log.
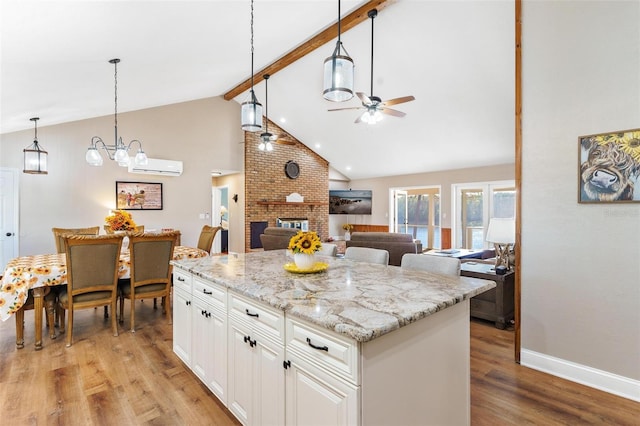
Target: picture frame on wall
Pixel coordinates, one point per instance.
(138, 196)
(609, 167)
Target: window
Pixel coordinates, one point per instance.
(417, 212)
(474, 205)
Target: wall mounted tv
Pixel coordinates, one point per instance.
(347, 201)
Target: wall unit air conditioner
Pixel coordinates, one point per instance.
(157, 166)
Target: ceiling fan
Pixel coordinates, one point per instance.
(268, 139)
(374, 106)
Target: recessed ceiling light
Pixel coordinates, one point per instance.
(283, 120)
(317, 146)
(348, 167)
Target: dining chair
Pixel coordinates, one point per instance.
(58, 234)
(427, 262)
(328, 249)
(150, 275)
(49, 306)
(366, 254)
(207, 235)
(92, 277)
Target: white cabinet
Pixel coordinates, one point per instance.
(182, 315)
(322, 379)
(256, 376)
(209, 336)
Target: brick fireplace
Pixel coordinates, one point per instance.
(267, 186)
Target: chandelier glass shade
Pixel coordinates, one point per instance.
(251, 109)
(35, 158)
(118, 152)
(338, 72)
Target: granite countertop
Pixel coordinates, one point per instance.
(359, 300)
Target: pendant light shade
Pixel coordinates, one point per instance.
(338, 72)
(251, 109)
(35, 158)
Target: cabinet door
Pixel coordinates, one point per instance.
(209, 347)
(314, 397)
(268, 383)
(240, 372)
(182, 325)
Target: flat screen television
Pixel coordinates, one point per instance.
(348, 201)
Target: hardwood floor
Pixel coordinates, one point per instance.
(136, 379)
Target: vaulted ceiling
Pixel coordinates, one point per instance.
(455, 57)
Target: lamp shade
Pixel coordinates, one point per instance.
(502, 231)
(251, 114)
(35, 159)
(338, 78)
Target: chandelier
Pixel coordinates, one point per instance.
(35, 158)
(251, 110)
(118, 152)
(338, 73)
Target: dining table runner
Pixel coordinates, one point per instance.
(24, 273)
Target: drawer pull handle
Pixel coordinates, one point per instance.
(188, 302)
(286, 364)
(180, 279)
(204, 290)
(247, 339)
(320, 348)
(250, 314)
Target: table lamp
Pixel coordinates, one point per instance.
(502, 233)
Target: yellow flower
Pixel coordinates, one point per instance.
(347, 227)
(630, 144)
(120, 220)
(306, 242)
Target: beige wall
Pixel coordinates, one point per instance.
(580, 270)
(382, 186)
(204, 134)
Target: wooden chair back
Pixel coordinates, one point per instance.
(92, 276)
(207, 235)
(366, 254)
(426, 262)
(58, 233)
(150, 276)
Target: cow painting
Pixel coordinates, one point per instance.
(611, 167)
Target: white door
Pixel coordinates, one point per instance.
(240, 373)
(209, 355)
(9, 219)
(182, 322)
(400, 220)
(268, 383)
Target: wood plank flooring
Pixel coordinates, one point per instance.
(135, 379)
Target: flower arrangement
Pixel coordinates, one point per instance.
(120, 220)
(306, 242)
(347, 227)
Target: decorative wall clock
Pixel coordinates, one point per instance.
(291, 169)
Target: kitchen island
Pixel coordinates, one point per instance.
(358, 343)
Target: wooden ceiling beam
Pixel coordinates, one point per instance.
(346, 23)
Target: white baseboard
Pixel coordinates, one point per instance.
(598, 379)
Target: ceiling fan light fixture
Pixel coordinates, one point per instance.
(371, 116)
(338, 72)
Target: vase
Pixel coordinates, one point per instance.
(347, 236)
(304, 261)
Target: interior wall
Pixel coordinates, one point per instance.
(204, 134)
(580, 272)
(381, 188)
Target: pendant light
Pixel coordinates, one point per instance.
(251, 110)
(265, 138)
(118, 152)
(338, 73)
(35, 158)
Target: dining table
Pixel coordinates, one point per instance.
(41, 272)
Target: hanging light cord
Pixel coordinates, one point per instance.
(372, 19)
(252, 94)
(266, 102)
(35, 121)
(339, 42)
(115, 98)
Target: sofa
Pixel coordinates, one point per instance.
(396, 244)
(275, 238)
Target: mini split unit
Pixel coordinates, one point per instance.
(157, 166)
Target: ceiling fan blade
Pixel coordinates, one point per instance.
(401, 100)
(364, 98)
(393, 112)
(284, 142)
(344, 109)
(359, 119)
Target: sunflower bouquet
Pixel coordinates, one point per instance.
(306, 242)
(120, 220)
(347, 227)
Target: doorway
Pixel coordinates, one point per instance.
(9, 219)
(220, 217)
(416, 211)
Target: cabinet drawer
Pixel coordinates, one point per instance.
(209, 292)
(264, 319)
(334, 353)
(182, 280)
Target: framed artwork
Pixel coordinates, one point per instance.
(609, 167)
(138, 196)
